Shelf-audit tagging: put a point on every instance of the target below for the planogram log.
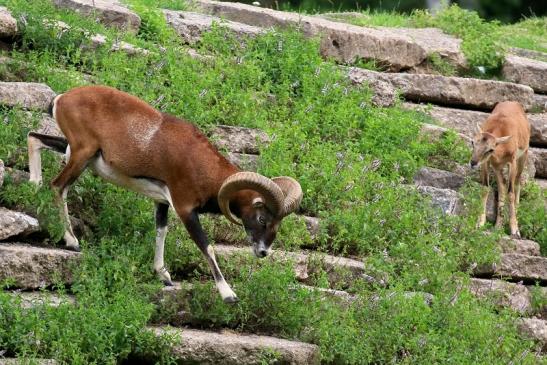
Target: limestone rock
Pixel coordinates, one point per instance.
(517, 267)
(49, 126)
(526, 71)
(40, 298)
(8, 24)
(109, 12)
(35, 267)
(534, 329)
(539, 103)
(448, 201)
(230, 348)
(429, 176)
(239, 139)
(28, 95)
(190, 26)
(384, 93)
(457, 91)
(16, 224)
(8, 361)
(345, 43)
(99, 40)
(243, 161)
(313, 225)
(539, 156)
(503, 294)
(528, 53)
(521, 246)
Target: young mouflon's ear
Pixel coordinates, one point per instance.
(479, 130)
(258, 203)
(503, 140)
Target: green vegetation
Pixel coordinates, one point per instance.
(351, 159)
(484, 43)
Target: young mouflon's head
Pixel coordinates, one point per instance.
(263, 203)
(484, 145)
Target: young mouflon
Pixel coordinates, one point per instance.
(502, 140)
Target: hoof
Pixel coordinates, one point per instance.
(231, 300)
(516, 235)
(73, 248)
(168, 283)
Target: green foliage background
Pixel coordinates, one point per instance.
(352, 160)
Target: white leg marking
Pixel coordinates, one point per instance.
(223, 288)
(35, 160)
(159, 266)
(69, 237)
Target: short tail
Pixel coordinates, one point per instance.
(57, 144)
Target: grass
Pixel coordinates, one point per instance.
(351, 159)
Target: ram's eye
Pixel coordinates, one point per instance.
(262, 220)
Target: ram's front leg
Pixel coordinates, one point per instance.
(191, 221)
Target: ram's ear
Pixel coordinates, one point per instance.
(503, 140)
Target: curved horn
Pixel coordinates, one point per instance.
(272, 193)
(292, 192)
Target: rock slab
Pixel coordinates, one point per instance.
(27, 95)
(539, 156)
(239, 139)
(109, 12)
(448, 201)
(16, 224)
(8, 24)
(35, 267)
(229, 348)
(517, 267)
(526, 71)
(345, 43)
(503, 294)
(534, 329)
(520, 246)
(456, 91)
(190, 26)
(429, 176)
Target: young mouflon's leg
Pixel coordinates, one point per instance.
(513, 224)
(191, 221)
(484, 194)
(162, 211)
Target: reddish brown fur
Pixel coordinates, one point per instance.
(99, 118)
(493, 148)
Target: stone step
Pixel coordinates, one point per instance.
(542, 184)
(504, 294)
(465, 121)
(397, 49)
(516, 267)
(190, 26)
(540, 161)
(39, 298)
(341, 271)
(111, 13)
(14, 223)
(519, 246)
(227, 347)
(28, 95)
(8, 24)
(442, 90)
(32, 267)
(26, 361)
(534, 329)
(526, 71)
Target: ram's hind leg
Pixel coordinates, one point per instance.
(36, 142)
(161, 231)
(75, 166)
